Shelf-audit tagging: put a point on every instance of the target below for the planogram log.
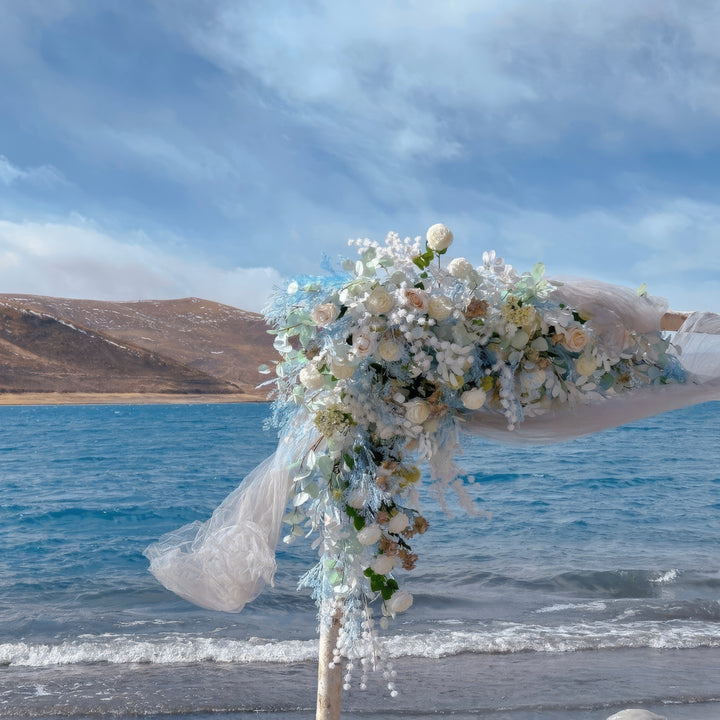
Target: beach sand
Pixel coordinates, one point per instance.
(123, 398)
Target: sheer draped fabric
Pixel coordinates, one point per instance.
(225, 562)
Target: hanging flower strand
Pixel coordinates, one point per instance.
(386, 359)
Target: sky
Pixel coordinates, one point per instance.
(169, 148)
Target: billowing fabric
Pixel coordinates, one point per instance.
(224, 563)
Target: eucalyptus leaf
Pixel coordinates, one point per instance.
(300, 498)
(312, 489)
(264, 370)
(324, 465)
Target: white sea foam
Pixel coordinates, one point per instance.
(502, 638)
(596, 606)
(666, 577)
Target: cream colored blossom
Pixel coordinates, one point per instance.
(461, 268)
(364, 344)
(369, 535)
(311, 377)
(439, 237)
(398, 523)
(379, 301)
(586, 365)
(439, 307)
(417, 411)
(342, 368)
(400, 601)
(575, 339)
(383, 564)
(417, 299)
(388, 350)
(473, 399)
(324, 314)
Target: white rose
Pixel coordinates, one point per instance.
(364, 344)
(399, 602)
(417, 299)
(369, 535)
(439, 237)
(586, 365)
(342, 368)
(379, 301)
(430, 426)
(439, 307)
(417, 411)
(356, 499)
(388, 350)
(383, 564)
(473, 399)
(461, 268)
(575, 339)
(311, 377)
(324, 314)
(398, 523)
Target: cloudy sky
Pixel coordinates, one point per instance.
(212, 147)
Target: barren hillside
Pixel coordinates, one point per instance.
(177, 346)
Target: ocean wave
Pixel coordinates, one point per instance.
(502, 638)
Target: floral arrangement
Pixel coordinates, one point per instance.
(386, 358)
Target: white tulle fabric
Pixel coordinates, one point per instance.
(224, 563)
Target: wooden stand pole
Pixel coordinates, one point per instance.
(329, 692)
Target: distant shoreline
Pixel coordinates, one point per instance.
(81, 398)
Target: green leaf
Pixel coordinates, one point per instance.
(386, 592)
(392, 583)
(349, 461)
(368, 572)
(377, 582)
(359, 522)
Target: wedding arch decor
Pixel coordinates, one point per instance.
(384, 363)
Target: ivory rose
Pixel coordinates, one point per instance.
(388, 350)
(439, 237)
(364, 344)
(586, 365)
(342, 368)
(461, 268)
(379, 301)
(369, 535)
(575, 339)
(417, 411)
(324, 314)
(417, 299)
(398, 523)
(383, 564)
(473, 399)
(399, 602)
(439, 307)
(311, 377)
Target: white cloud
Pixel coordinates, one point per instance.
(433, 80)
(671, 244)
(43, 175)
(77, 260)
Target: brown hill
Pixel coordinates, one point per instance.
(166, 346)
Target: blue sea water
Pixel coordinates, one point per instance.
(594, 586)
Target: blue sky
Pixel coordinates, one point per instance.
(178, 147)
